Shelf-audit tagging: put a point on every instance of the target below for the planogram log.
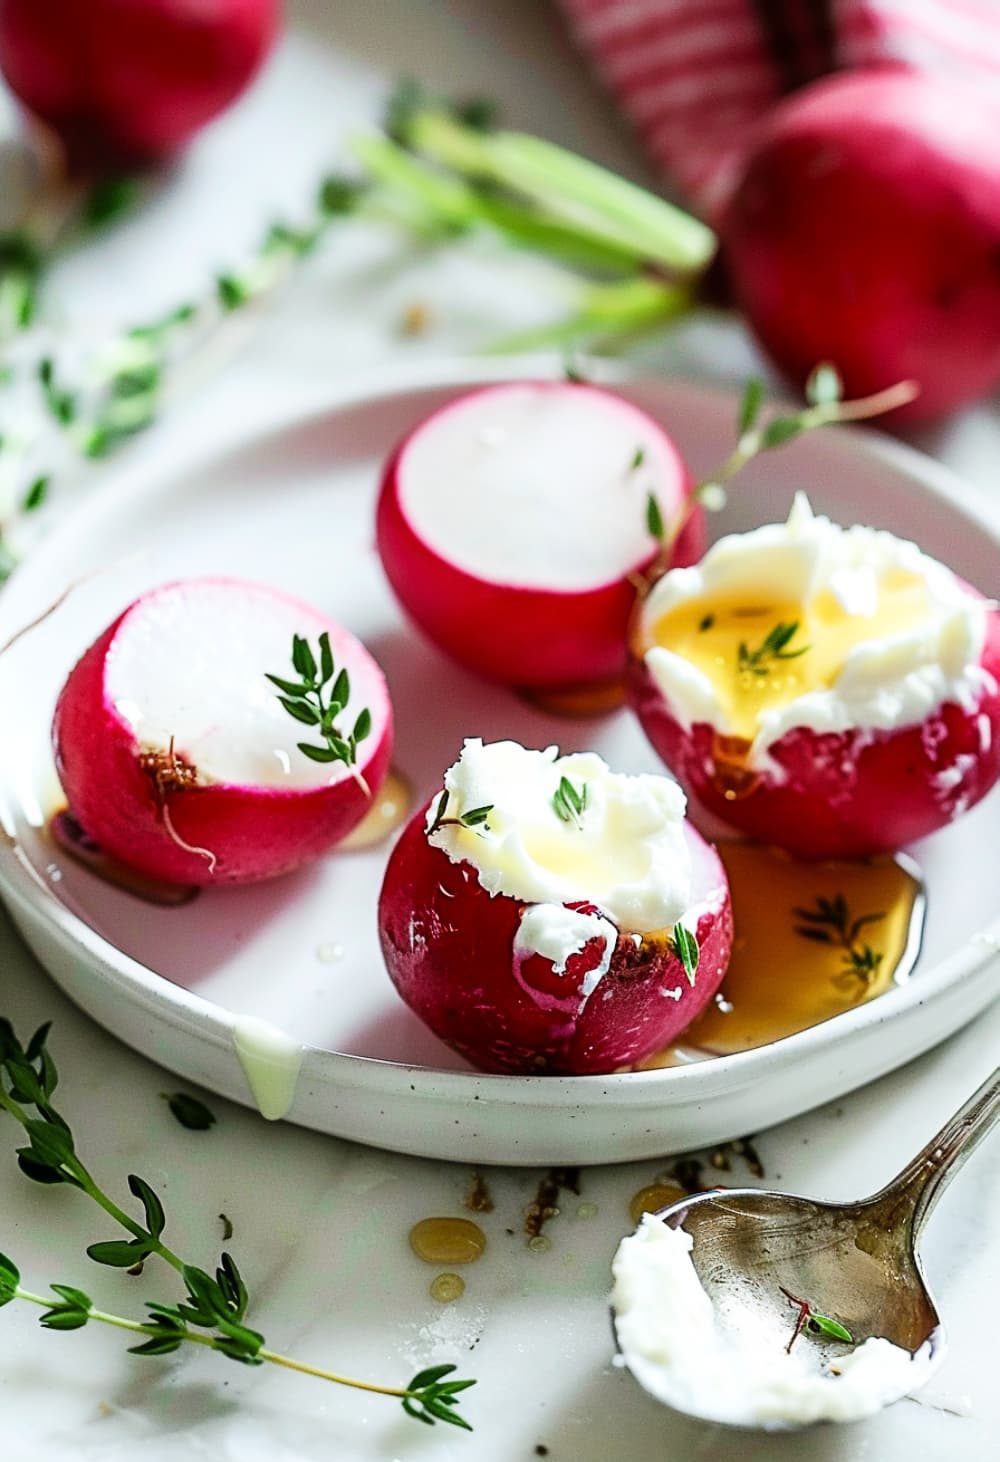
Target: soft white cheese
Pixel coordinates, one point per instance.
(884, 684)
(671, 1339)
(558, 933)
(626, 853)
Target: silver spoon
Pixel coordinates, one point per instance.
(855, 1262)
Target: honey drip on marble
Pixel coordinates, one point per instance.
(446, 1288)
(447, 1241)
(70, 837)
(389, 810)
(652, 1198)
(596, 698)
(782, 978)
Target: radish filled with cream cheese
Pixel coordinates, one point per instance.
(221, 732)
(545, 914)
(832, 691)
(513, 521)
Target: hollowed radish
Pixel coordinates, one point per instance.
(572, 978)
(174, 749)
(512, 522)
(871, 720)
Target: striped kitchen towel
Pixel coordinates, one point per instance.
(694, 75)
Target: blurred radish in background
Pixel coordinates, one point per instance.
(865, 230)
(125, 81)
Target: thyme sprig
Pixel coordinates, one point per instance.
(305, 700)
(759, 662)
(825, 406)
(814, 1322)
(684, 945)
(475, 818)
(569, 802)
(830, 922)
(756, 433)
(213, 1310)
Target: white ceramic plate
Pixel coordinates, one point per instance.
(294, 508)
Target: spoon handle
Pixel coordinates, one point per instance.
(925, 1178)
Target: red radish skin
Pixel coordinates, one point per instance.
(449, 949)
(528, 637)
(865, 230)
(125, 81)
(846, 795)
(253, 832)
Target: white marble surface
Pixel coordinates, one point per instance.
(320, 1226)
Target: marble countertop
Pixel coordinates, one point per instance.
(320, 1226)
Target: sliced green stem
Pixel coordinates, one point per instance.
(606, 311)
(569, 188)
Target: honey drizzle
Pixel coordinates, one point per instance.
(595, 698)
(781, 981)
(389, 810)
(731, 772)
(71, 838)
(447, 1241)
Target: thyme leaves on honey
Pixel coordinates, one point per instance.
(476, 817)
(570, 803)
(813, 1322)
(684, 945)
(831, 922)
(213, 1309)
(307, 700)
(774, 647)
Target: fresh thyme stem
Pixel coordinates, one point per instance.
(753, 442)
(307, 1370)
(825, 407)
(213, 1311)
(143, 1327)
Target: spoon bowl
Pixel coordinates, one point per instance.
(766, 1259)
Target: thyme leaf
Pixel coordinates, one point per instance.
(813, 1321)
(774, 647)
(684, 945)
(569, 803)
(307, 701)
(189, 1111)
(476, 817)
(654, 518)
(831, 922)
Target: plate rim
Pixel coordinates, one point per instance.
(22, 885)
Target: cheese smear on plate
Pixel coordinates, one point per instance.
(807, 624)
(670, 1339)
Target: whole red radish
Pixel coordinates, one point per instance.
(175, 750)
(832, 692)
(125, 81)
(512, 523)
(520, 986)
(865, 230)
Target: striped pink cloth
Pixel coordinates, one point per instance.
(694, 75)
